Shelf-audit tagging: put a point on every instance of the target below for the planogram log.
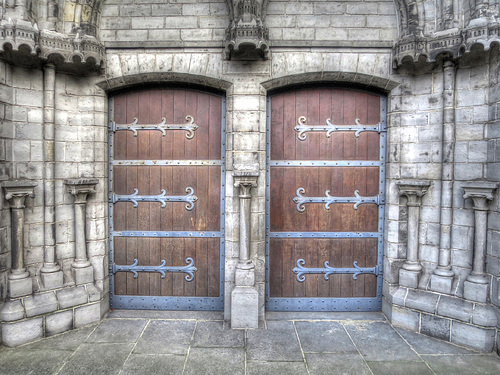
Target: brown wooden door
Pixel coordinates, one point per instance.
(166, 199)
(325, 200)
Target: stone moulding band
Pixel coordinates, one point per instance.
(162, 198)
(300, 200)
(134, 127)
(189, 269)
(301, 271)
(330, 128)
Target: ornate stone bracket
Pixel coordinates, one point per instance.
(247, 36)
(477, 283)
(244, 297)
(413, 190)
(19, 278)
(21, 42)
(80, 189)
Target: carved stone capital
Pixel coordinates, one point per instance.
(245, 181)
(17, 191)
(81, 187)
(480, 193)
(413, 190)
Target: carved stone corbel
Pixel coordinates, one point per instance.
(247, 37)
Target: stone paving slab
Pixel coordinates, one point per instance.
(126, 343)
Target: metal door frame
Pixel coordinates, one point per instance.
(327, 303)
(167, 302)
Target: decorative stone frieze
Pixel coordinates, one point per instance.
(247, 36)
(19, 280)
(23, 44)
(476, 285)
(413, 190)
(80, 189)
(453, 42)
(244, 297)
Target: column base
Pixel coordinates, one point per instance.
(20, 287)
(441, 284)
(52, 280)
(83, 275)
(244, 308)
(409, 278)
(244, 275)
(476, 292)
(80, 263)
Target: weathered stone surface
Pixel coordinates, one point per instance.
(70, 297)
(455, 308)
(11, 311)
(40, 304)
(244, 307)
(436, 327)
(476, 292)
(474, 337)
(421, 300)
(58, 322)
(87, 314)
(20, 287)
(15, 334)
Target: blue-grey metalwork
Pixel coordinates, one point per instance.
(330, 128)
(167, 162)
(190, 126)
(301, 271)
(165, 234)
(189, 269)
(325, 163)
(300, 200)
(162, 198)
(325, 235)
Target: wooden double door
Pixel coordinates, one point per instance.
(166, 199)
(325, 200)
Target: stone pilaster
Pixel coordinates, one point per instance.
(477, 283)
(83, 272)
(244, 297)
(19, 280)
(413, 190)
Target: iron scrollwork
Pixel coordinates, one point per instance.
(300, 199)
(162, 198)
(330, 128)
(190, 127)
(189, 269)
(301, 271)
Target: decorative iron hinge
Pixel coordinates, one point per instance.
(330, 128)
(301, 271)
(189, 269)
(190, 198)
(190, 127)
(300, 200)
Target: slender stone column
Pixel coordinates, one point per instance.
(442, 278)
(80, 189)
(477, 283)
(413, 190)
(19, 283)
(50, 274)
(244, 297)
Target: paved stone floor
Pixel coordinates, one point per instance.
(153, 342)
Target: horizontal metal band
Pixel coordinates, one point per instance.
(325, 163)
(302, 271)
(166, 303)
(165, 234)
(325, 304)
(325, 235)
(189, 269)
(167, 162)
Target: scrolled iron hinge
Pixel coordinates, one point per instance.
(189, 269)
(134, 127)
(330, 128)
(300, 199)
(301, 271)
(162, 198)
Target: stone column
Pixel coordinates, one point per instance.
(442, 278)
(477, 283)
(413, 190)
(19, 282)
(50, 274)
(244, 297)
(83, 272)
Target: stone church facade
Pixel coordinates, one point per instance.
(250, 156)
